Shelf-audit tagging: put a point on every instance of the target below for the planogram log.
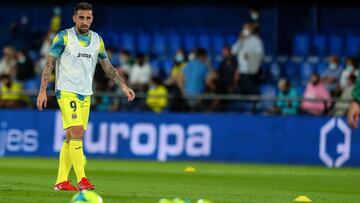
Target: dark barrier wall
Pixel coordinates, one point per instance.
(214, 137)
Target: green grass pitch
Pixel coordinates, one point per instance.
(30, 180)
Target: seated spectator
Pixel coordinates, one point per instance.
(350, 69)
(286, 103)
(140, 73)
(193, 76)
(11, 93)
(227, 70)
(25, 66)
(157, 94)
(331, 76)
(8, 62)
(342, 106)
(315, 90)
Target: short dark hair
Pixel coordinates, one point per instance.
(83, 6)
(200, 52)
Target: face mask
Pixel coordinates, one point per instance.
(21, 60)
(191, 56)
(254, 16)
(315, 82)
(179, 58)
(332, 66)
(246, 32)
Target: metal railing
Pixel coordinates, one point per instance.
(254, 100)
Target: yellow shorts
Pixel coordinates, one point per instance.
(75, 108)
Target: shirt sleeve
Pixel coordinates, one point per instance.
(58, 44)
(102, 51)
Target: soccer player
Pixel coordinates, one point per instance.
(75, 53)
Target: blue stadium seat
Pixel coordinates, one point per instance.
(275, 72)
(204, 42)
(321, 67)
(174, 43)
(306, 69)
(301, 45)
(352, 45)
(231, 39)
(159, 44)
(218, 44)
(143, 43)
(336, 45)
(318, 47)
(291, 72)
(267, 90)
(189, 42)
(128, 42)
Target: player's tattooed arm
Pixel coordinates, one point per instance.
(46, 74)
(114, 76)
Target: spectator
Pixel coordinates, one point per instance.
(315, 90)
(157, 96)
(249, 51)
(25, 66)
(255, 17)
(212, 87)
(179, 63)
(140, 73)
(193, 76)
(44, 50)
(226, 71)
(342, 106)
(350, 69)
(8, 62)
(11, 93)
(330, 77)
(55, 22)
(126, 62)
(287, 96)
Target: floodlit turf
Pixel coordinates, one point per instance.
(30, 180)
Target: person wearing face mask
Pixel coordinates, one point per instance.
(249, 51)
(330, 77)
(350, 69)
(286, 104)
(315, 90)
(179, 63)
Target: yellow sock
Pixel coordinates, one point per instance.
(77, 158)
(64, 163)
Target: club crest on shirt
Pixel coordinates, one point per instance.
(85, 55)
(74, 116)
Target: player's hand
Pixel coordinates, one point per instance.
(41, 100)
(129, 93)
(353, 115)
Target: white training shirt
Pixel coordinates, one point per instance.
(76, 66)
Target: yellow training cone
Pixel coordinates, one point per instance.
(302, 198)
(190, 169)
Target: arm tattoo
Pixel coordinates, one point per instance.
(49, 67)
(111, 72)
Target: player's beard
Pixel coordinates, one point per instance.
(83, 29)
